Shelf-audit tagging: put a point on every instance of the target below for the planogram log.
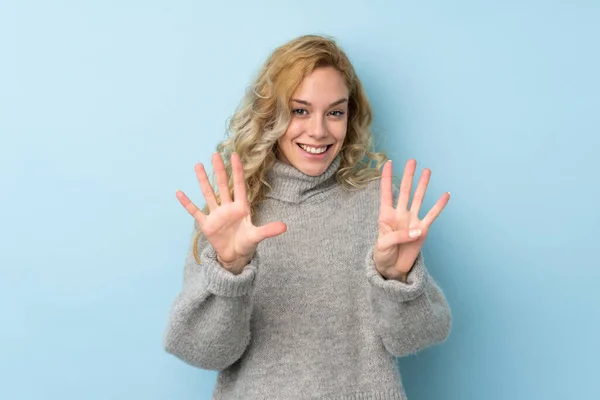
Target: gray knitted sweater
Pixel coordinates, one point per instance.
(309, 317)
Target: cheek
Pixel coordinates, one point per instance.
(294, 129)
(338, 130)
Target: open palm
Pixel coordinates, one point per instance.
(401, 232)
(228, 226)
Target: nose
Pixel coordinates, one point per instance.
(318, 130)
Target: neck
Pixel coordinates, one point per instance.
(291, 185)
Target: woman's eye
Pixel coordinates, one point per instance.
(337, 113)
(299, 111)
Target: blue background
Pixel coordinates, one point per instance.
(105, 107)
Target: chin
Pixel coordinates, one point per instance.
(312, 170)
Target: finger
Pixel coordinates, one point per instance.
(191, 207)
(239, 184)
(222, 179)
(268, 231)
(386, 185)
(398, 237)
(406, 185)
(420, 192)
(436, 209)
(207, 190)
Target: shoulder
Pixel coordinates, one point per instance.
(362, 199)
(368, 192)
(364, 202)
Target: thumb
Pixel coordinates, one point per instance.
(269, 230)
(399, 237)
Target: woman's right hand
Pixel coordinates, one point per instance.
(228, 226)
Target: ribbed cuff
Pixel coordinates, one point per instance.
(377, 394)
(220, 281)
(413, 288)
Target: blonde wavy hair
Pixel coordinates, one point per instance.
(265, 113)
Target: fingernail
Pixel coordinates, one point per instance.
(413, 233)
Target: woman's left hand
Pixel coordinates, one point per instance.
(401, 232)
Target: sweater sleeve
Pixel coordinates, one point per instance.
(209, 321)
(408, 316)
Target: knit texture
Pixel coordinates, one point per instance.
(309, 317)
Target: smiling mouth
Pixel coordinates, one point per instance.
(314, 150)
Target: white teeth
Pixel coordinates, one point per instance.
(314, 150)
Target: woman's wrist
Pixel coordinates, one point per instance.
(235, 267)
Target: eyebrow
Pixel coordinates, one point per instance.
(335, 103)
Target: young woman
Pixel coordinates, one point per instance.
(305, 278)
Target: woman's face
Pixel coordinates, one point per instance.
(319, 121)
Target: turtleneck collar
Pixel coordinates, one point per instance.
(292, 186)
